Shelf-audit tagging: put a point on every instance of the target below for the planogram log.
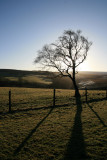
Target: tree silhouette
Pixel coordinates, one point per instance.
(66, 54)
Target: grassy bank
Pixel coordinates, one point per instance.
(35, 130)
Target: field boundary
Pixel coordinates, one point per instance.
(54, 99)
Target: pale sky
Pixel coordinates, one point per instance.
(27, 25)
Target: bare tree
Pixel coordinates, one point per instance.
(66, 54)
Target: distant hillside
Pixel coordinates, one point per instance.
(92, 80)
(45, 79)
(21, 78)
(21, 73)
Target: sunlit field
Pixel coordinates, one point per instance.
(72, 129)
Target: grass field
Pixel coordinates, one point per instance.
(35, 130)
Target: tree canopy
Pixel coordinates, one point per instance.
(66, 54)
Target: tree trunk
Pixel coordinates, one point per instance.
(77, 94)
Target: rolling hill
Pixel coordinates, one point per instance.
(45, 79)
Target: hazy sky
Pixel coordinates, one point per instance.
(26, 25)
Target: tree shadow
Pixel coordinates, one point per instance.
(31, 133)
(76, 148)
(102, 122)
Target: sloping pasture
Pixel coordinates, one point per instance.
(73, 129)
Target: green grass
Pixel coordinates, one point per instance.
(35, 130)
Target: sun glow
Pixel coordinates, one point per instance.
(85, 66)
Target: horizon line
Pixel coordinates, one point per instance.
(43, 70)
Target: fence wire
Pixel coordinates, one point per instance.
(25, 98)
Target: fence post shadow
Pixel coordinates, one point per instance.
(31, 133)
(76, 148)
(102, 122)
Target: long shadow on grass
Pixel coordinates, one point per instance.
(76, 148)
(32, 109)
(31, 133)
(96, 115)
(96, 100)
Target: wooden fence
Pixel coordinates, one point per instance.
(54, 97)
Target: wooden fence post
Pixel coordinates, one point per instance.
(53, 97)
(86, 93)
(9, 101)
